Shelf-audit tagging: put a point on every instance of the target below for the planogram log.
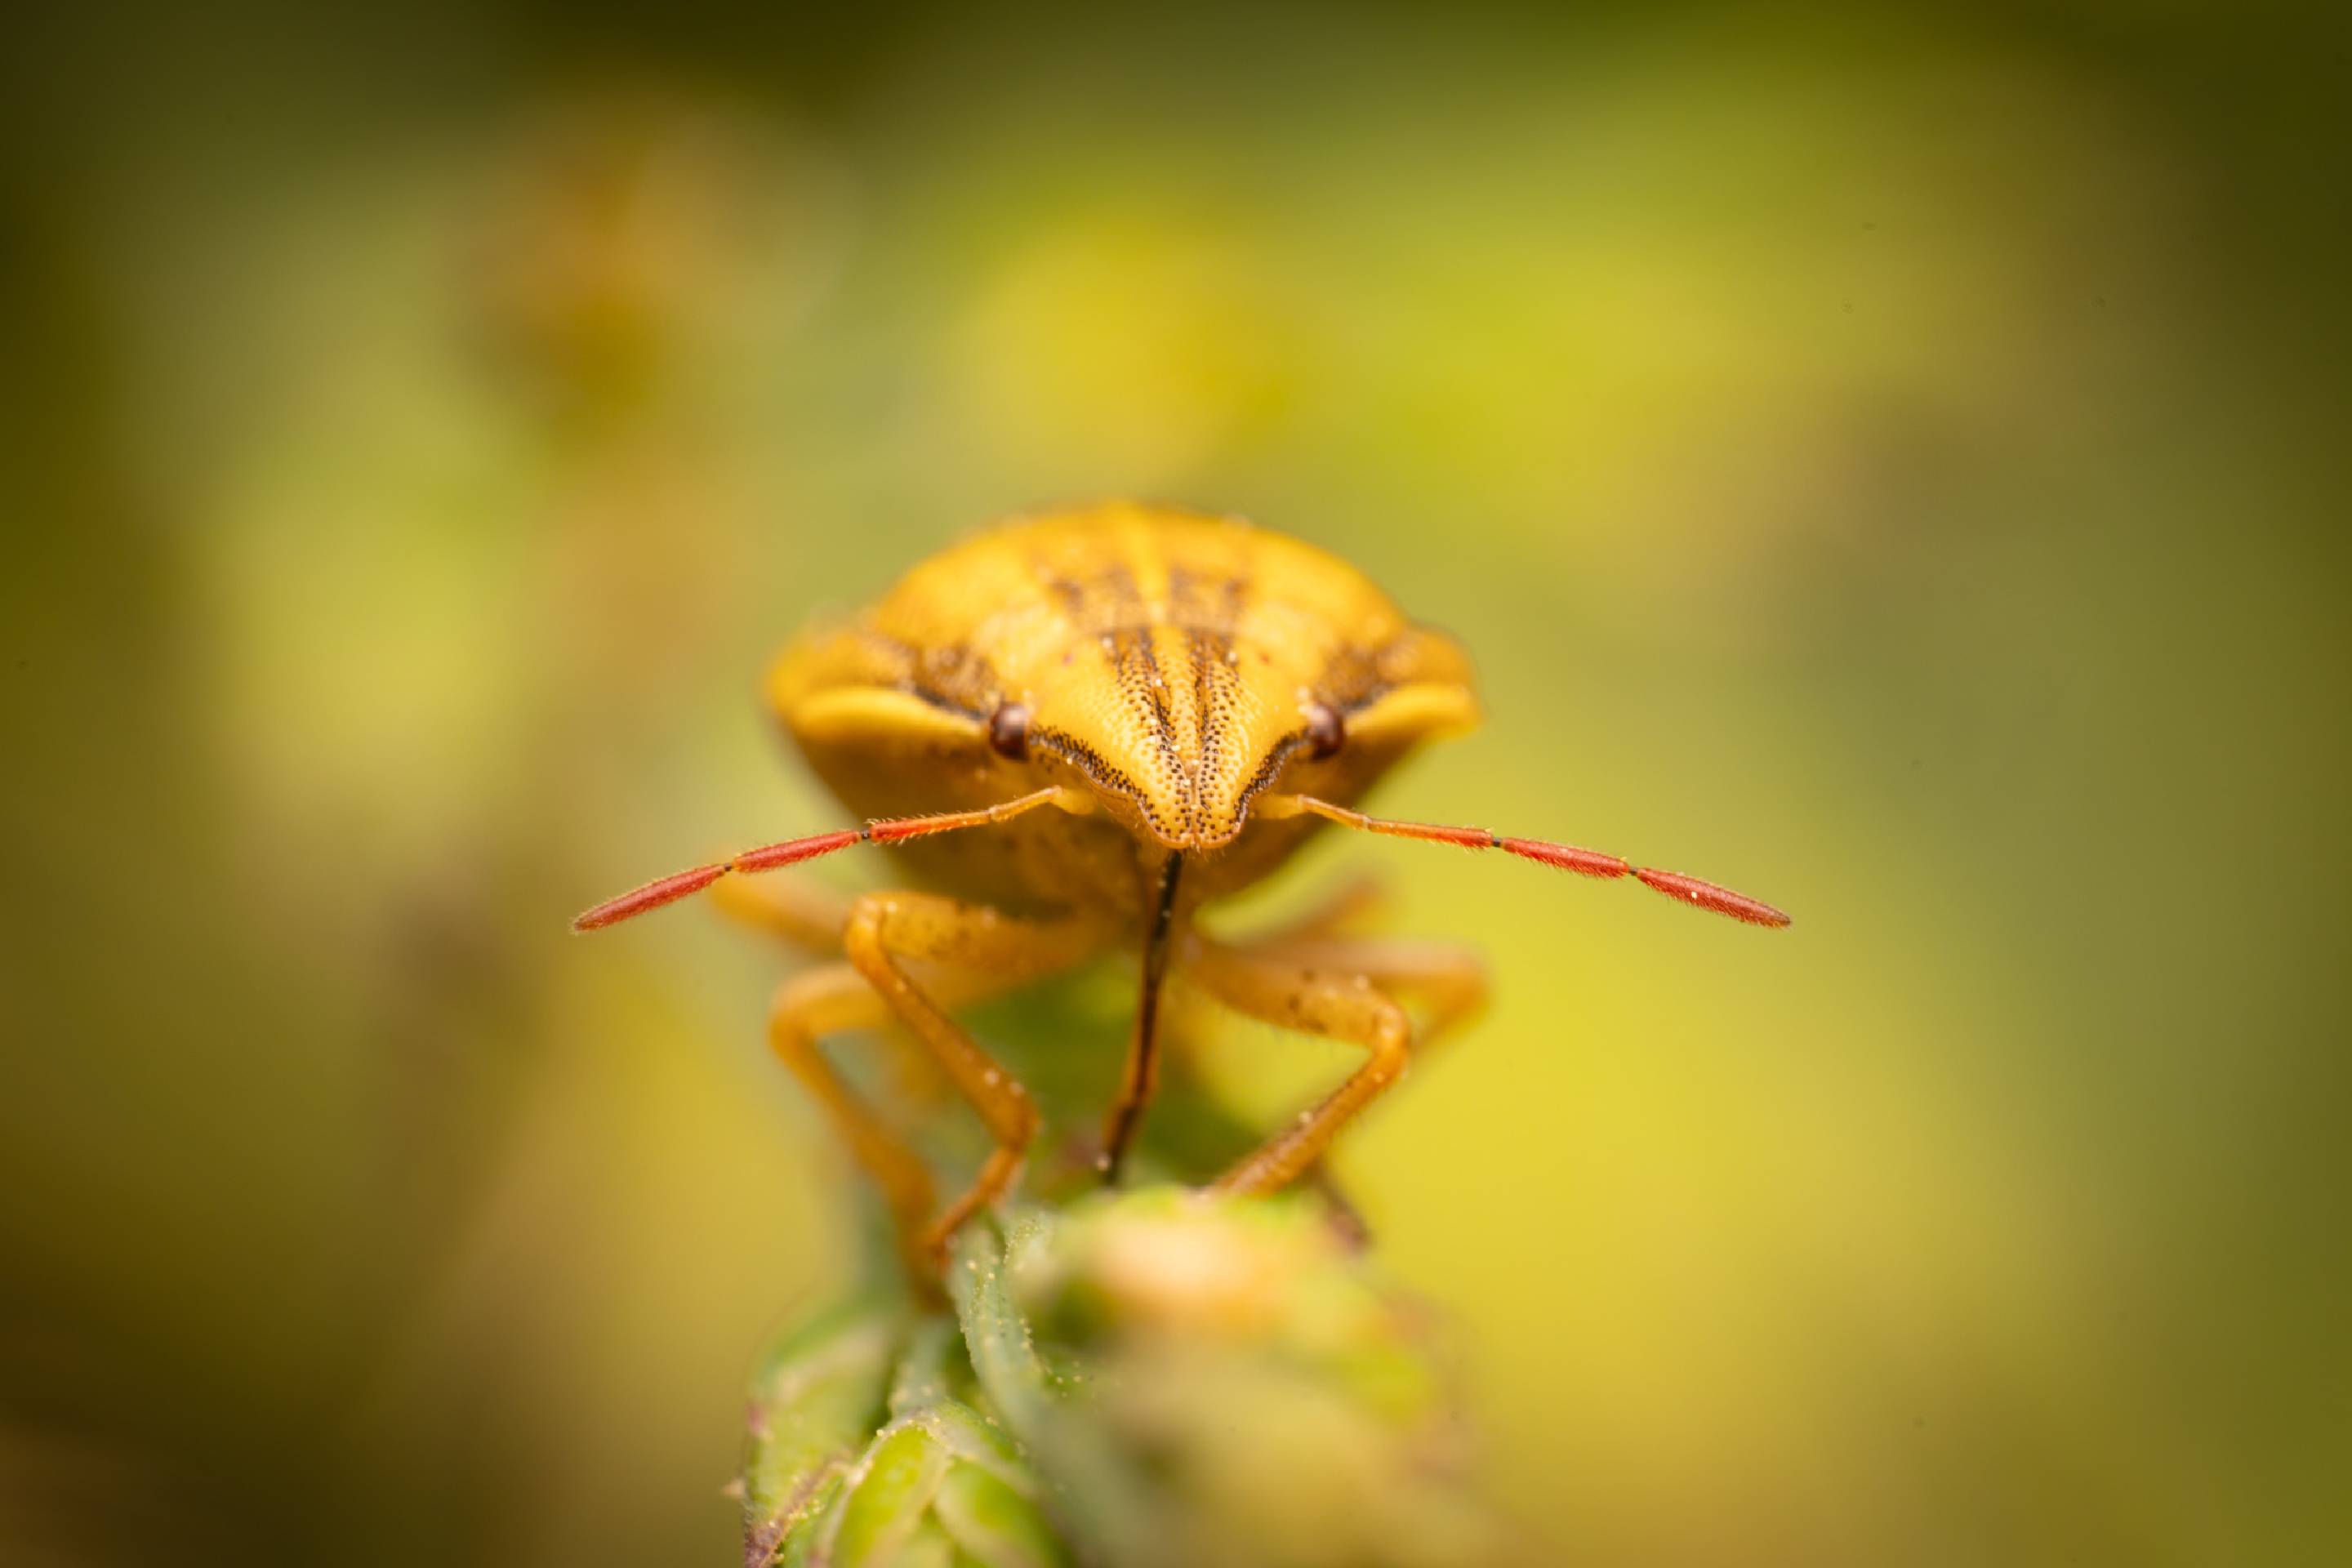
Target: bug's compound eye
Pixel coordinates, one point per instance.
(1326, 730)
(1008, 731)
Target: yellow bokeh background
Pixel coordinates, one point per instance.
(1883, 464)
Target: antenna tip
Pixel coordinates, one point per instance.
(1707, 896)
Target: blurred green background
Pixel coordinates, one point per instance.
(1894, 465)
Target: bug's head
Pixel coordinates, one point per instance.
(1175, 732)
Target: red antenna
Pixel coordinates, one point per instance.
(1568, 857)
(792, 851)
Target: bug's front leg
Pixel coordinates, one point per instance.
(975, 950)
(1447, 980)
(1339, 988)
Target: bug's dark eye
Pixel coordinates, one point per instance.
(1008, 731)
(1326, 730)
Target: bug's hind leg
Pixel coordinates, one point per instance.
(975, 950)
(1340, 988)
(1344, 907)
(801, 913)
(828, 1001)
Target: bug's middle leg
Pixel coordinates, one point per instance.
(979, 951)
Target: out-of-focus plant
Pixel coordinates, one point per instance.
(1144, 1379)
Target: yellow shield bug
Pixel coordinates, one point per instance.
(1135, 710)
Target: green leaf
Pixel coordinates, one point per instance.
(815, 1400)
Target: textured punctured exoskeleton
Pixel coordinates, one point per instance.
(1135, 711)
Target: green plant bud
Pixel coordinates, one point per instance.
(820, 1392)
(1154, 1379)
(940, 1486)
(863, 1455)
(1221, 1381)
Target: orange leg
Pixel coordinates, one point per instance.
(963, 950)
(964, 953)
(828, 1001)
(1450, 979)
(1344, 907)
(1339, 988)
(807, 915)
(803, 914)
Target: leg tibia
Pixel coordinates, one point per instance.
(975, 950)
(1336, 1005)
(785, 905)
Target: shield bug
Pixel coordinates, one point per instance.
(1075, 731)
